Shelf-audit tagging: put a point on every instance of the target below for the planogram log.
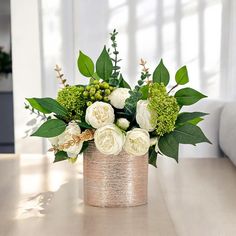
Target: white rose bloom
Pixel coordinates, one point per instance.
(99, 114)
(118, 97)
(123, 123)
(143, 116)
(109, 139)
(137, 142)
(71, 129)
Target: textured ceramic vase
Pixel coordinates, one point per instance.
(114, 181)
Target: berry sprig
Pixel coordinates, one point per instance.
(97, 91)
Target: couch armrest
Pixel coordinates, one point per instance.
(227, 138)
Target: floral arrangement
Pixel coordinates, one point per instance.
(145, 119)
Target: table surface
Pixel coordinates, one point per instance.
(194, 197)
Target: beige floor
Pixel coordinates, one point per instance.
(195, 197)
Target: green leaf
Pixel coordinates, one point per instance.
(188, 96)
(161, 74)
(37, 106)
(84, 147)
(114, 82)
(189, 134)
(144, 90)
(50, 128)
(60, 156)
(152, 156)
(85, 65)
(189, 116)
(195, 121)
(181, 76)
(84, 125)
(104, 65)
(95, 76)
(51, 105)
(169, 146)
(123, 83)
(131, 103)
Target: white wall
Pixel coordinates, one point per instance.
(27, 77)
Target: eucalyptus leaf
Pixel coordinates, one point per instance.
(169, 146)
(50, 128)
(161, 74)
(131, 103)
(51, 105)
(188, 96)
(60, 156)
(85, 65)
(152, 156)
(181, 76)
(104, 65)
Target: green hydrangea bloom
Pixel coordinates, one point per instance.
(71, 98)
(164, 109)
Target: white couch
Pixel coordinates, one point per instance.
(220, 128)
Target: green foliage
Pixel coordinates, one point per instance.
(190, 134)
(34, 104)
(131, 103)
(144, 90)
(161, 74)
(123, 83)
(169, 146)
(5, 62)
(71, 98)
(152, 156)
(189, 116)
(104, 65)
(164, 109)
(181, 76)
(60, 156)
(188, 96)
(85, 65)
(49, 105)
(50, 128)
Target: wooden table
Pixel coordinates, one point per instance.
(195, 197)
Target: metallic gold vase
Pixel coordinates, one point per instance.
(114, 181)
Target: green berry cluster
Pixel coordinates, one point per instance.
(97, 91)
(164, 109)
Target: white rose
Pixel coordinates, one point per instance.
(99, 114)
(109, 139)
(66, 136)
(143, 116)
(123, 123)
(137, 142)
(118, 97)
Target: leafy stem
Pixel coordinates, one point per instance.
(60, 76)
(173, 88)
(33, 111)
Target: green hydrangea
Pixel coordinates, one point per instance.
(164, 109)
(71, 98)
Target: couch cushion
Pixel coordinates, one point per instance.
(228, 131)
(210, 127)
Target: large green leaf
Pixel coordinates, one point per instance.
(104, 65)
(189, 134)
(169, 146)
(51, 128)
(51, 105)
(144, 90)
(152, 156)
(161, 74)
(37, 106)
(123, 83)
(189, 116)
(188, 96)
(181, 76)
(85, 65)
(61, 156)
